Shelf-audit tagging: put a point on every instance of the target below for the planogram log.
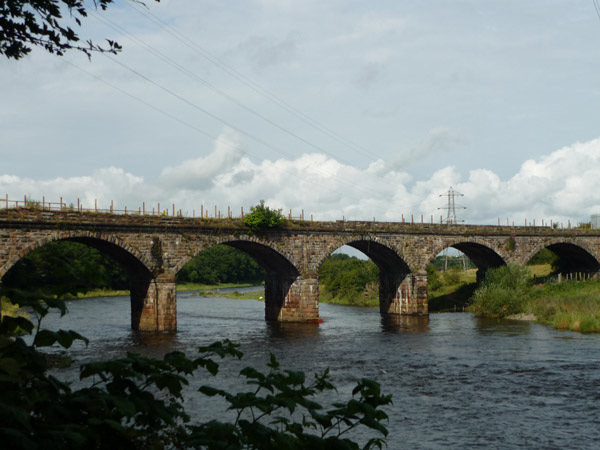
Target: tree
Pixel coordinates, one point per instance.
(42, 23)
(262, 217)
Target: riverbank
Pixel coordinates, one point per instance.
(183, 287)
(572, 305)
(258, 294)
(507, 292)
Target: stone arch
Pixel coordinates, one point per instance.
(110, 244)
(269, 256)
(481, 253)
(137, 266)
(288, 296)
(381, 251)
(400, 287)
(576, 256)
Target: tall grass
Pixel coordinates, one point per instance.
(571, 305)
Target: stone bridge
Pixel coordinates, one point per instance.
(152, 249)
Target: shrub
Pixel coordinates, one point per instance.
(504, 291)
(452, 276)
(433, 278)
(262, 217)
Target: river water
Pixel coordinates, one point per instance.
(456, 381)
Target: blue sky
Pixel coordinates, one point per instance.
(498, 99)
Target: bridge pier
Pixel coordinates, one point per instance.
(409, 297)
(154, 303)
(291, 299)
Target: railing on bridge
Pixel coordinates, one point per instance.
(202, 213)
(216, 213)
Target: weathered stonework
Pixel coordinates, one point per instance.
(154, 248)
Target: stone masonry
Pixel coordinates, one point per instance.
(153, 249)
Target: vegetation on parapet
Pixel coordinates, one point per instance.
(262, 218)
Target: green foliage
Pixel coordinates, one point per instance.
(266, 412)
(434, 281)
(452, 276)
(136, 402)
(510, 244)
(221, 264)
(66, 266)
(342, 277)
(262, 217)
(24, 24)
(504, 291)
(544, 256)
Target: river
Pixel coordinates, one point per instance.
(456, 381)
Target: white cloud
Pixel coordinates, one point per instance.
(201, 173)
(560, 186)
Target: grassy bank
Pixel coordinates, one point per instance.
(181, 287)
(507, 292)
(450, 290)
(235, 295)
(570, 305)
(364, 299)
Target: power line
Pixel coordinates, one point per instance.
(597, 7)
(220, 119)
(187, 124)
(214, 88)
(155, 108)
(143, 10)
(191, 74)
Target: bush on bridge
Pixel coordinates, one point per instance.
(262, 217)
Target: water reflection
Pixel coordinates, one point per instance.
(393, 323)
(292, 330)
(451, 375)
(508, 327)
(154, 340)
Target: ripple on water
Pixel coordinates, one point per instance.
(456, 381)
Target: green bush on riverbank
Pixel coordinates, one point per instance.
(507, 291)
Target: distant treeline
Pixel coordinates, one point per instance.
(79, 268)
(344, 278)
(222, 264)
(66, 265)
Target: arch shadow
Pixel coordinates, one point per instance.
(574, 258)
(281, 274)
(139, 275)
(481, 255)
(397, 290)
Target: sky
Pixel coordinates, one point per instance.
(341, 108)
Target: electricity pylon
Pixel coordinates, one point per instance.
(451, 215)
(452, 219)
